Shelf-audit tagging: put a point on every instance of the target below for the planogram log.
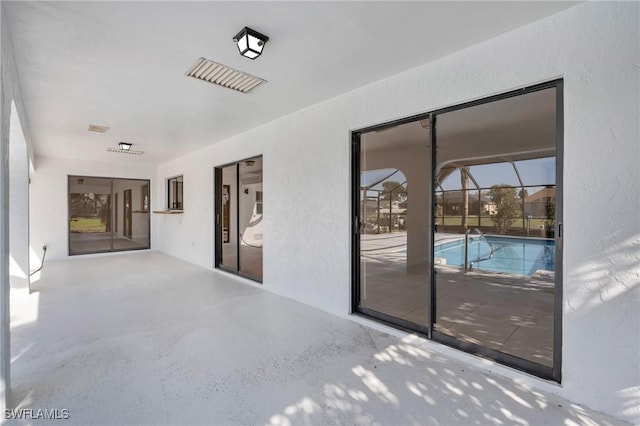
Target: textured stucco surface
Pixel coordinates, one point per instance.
(144, 338)
(5, 107)
(14, 196)
(594, 47)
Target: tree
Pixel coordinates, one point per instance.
(104, 210)
(506, 201)
(550, 211)
(523, 193)
(393, 191)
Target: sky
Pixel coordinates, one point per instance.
(537, 172)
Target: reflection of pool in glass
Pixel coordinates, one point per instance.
(520, 256)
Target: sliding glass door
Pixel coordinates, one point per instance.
(90, 211)
(495, 241)
(476, 264)
(239, 215)
(393, 218)
(108, 214)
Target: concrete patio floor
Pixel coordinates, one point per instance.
(144, 338)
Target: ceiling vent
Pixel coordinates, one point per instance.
(98, 129)
(222, 75)
(124, 151)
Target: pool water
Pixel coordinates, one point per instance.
(520, 256)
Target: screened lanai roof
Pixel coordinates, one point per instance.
(373, 180)
(538, 172)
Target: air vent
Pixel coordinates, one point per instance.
(222, 75)
(124, 151)
(98, 129)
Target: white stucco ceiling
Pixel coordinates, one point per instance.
(122, 64)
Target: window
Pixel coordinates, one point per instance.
(174, 188)
(478, 264)
(102, 217)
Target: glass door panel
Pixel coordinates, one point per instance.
(394, 221)
(229, 218)
(108, 214)
(133, 233)
(250, 217)
(89, 214)
(494, 242)
(239, 218)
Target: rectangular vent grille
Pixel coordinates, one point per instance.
(99, 129)
(125, 151)
(222, 75)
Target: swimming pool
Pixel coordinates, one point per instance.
(520, 256)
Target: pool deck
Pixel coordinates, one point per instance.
(505, 312)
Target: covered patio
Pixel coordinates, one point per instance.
(146, 338)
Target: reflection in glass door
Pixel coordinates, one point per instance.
(96, 224)
(495, 242)
(127, 213)
(89, 214)
(250, 217)
(456, 227)
(135, 229)
(228, 225)
(239, 218)
(392, 239)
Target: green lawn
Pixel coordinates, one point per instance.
(486, 221)
(87, 224)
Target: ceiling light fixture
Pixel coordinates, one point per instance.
(250, 42)
(125, 146)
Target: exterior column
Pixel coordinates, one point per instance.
(5, 351)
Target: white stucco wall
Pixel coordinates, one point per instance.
(20, 162)
(18, 203)
(15, 162)
(595, 48)
(5, 108)
(48, 207)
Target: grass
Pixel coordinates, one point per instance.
(486, 221)
(87, 224)
(472, 221)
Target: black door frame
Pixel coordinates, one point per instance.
(112, 208)
(552, 373)
(218, 220)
